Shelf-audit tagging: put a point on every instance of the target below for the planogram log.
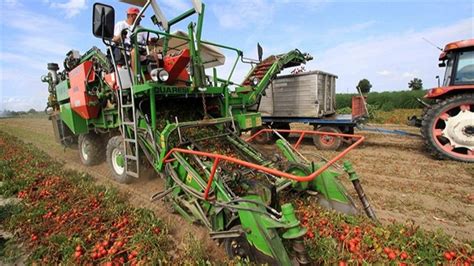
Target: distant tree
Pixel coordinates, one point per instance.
(415, 84)
(32, 111)
(364, 86)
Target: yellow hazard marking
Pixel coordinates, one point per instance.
(162, 141)
(189, 178)
(248, 122)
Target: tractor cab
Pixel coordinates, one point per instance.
(458, 59)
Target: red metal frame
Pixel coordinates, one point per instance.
(219, 157)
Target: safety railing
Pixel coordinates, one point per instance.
(219, 157)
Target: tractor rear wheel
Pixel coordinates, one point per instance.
(116, 160)
(327, 142)
(448, 128)
(91, 149)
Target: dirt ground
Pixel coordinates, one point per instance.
(401, 179)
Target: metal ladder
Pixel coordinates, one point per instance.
(131, 155)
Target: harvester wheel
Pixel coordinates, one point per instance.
(448, 128)
(116, 160)
(326, 142)
(91, 149)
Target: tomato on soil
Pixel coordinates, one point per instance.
(448, 256)
(392, 255)
(403, 255)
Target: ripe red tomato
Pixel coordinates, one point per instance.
(403, 255)
(392, 255)
(448, 256)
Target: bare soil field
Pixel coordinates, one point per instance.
(403, 182)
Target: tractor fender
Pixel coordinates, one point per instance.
(439, 92)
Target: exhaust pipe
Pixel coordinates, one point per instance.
(53, 71)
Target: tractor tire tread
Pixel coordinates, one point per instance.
(113, 143)
(426, 125)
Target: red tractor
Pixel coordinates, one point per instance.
(448, 124)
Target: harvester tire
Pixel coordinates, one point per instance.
(448, 128)
(115, 159)
(326, 142)
(91, 149)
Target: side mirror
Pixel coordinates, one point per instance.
(260, 52)
(103, 21)
(442, 64)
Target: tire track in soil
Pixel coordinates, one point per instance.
(39, 132)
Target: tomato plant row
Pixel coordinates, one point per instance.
(62, 217)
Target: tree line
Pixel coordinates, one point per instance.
(364, 85)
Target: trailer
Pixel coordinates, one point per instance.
(308, 98)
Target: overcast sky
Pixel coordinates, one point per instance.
(378, 40)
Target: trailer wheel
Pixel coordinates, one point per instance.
(91, 149)
(285, 126)
(264, 137)
(326, 142)
(116, 160)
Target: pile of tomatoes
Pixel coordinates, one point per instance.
(359, 240)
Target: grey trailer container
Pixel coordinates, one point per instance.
(309, 94)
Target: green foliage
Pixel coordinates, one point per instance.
(364, 86)
(415, 84)
(6, 172)
(345, 110)
(388, 106)
(391, 100)
(194, 251)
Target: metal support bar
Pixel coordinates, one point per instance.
(211, 177)
(267, 170)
